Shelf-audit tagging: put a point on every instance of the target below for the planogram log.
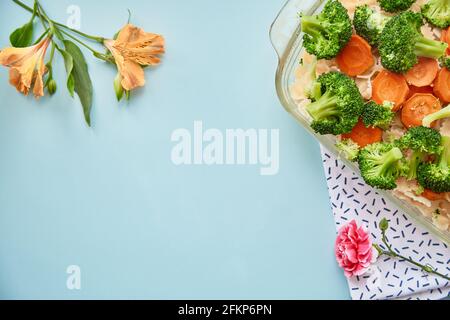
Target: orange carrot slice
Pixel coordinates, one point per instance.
(418, 107)
(445, 37)
(364, 136)
(423, 73)
(413, 90)
(389, 86)
(356, 58)
(433, 196)
(442, 85)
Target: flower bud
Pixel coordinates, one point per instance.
(51, 87)
(118, 87)
(384, 225)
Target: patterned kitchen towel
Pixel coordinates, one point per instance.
(389, 278)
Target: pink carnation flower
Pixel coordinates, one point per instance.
(354, 251)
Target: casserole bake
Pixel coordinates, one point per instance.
(286, 37)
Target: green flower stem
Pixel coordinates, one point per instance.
(34, 12)
(94, 38)
(41, 18)
(391, 253)
(95, 52)
(49, 64)
(43, 14)
(42, 36)
(52, 53)
(53, 28)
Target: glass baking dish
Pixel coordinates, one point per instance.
(286, 38)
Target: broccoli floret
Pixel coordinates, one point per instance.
(312, 88)
(375, 115)
(327, 33)
(349, 149)
(445, 62)
(369, 23)
(441, 114)
(436, 176)
(339, 107)
(422, 139)
(437, 12)
(422, 142)
(401, 43)
(395, 5)
(381, 164)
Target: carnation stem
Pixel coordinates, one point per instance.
(391, 253)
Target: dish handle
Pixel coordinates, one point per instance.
(285, 25)
(287, 22)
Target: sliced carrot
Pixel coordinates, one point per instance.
(413, 90)
(442, 85)
(433, 196)
(356, 58)
(364, 136)
(423, 73)
(417, 108)
(445, 37)
(389, 86)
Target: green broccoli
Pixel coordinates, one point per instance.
(401, 43)
(339, 107)
(395, 5)
(422, 142)
(327, 33)
(445, 62)
(312, 88)
(375, 115)
(441, 114)
(349, 149)
(381, 164)
(369, 23)
(435, 176)
(437, 12)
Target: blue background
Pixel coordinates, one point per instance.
(109, 198)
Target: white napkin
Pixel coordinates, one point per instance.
(389, 278)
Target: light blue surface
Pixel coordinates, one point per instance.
(109, 198)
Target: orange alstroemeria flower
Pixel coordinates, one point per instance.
(133, 49)
(27, 67)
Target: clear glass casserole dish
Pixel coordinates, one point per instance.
(286, 38)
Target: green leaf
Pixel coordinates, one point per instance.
(82, 83)
(23, 36)
(58, 34)
(71, 85)
(68, 63)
